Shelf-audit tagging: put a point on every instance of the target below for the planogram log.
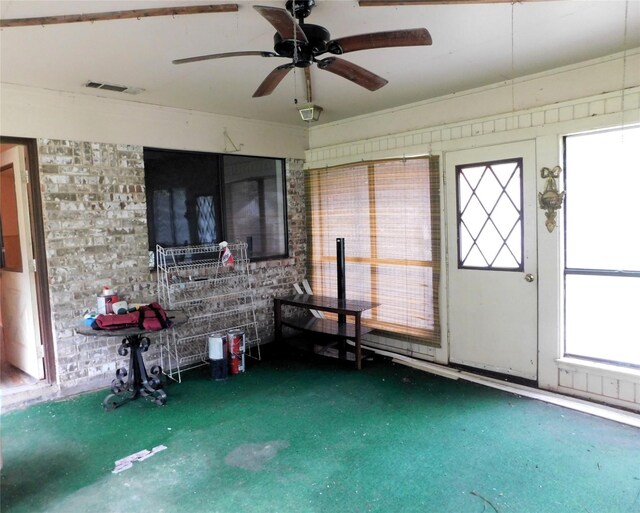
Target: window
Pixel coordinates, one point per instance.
(255, 204)
(602, 246)
(388, 214)
(489, 197)
(203, 198)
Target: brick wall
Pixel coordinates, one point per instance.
(94, 211)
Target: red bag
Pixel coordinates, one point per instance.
(116, 321)
(151, 317)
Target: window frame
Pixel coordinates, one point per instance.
(519, 166)
(585, 271)
(220, 186)
(261, 200)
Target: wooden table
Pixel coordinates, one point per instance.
(139, 382)
(340, 328)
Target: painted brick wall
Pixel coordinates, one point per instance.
(95, 224)
(94, 211)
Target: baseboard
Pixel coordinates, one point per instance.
(600, 410)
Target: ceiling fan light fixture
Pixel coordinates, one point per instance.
(309, 112)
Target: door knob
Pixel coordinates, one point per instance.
(529, 277)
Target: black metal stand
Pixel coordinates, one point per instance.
(341, 269)
(139, 382)
(326, 326)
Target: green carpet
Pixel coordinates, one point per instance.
(318, 437)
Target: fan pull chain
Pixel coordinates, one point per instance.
(295, 54)
(295, 41)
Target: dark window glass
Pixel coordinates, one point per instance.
(183, 198)
(254, 204)
(203, 198)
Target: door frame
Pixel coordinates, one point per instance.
(39, 252)
(529, 206)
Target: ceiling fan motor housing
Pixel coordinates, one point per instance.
(300, 9)
(305, 51)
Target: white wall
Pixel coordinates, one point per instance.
(550, 105)
(39, 113)
(530, 92)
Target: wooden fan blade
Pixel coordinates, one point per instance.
(118, 15)
(407, 37)
(282, 21)
(223, 55)
(272, 80)
(353, 72)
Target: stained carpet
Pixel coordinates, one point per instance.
(297, 436)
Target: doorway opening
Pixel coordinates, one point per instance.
(26, 339)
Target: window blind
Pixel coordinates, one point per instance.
(388, 212)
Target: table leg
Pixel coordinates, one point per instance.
(139, 382)
(342, 337)
(277, 320)
(358, 341)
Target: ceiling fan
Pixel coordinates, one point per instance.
(303, 43)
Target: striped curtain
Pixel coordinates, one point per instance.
(388, 212)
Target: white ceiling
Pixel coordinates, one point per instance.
(473, 45)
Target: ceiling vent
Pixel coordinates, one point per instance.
(112, 87)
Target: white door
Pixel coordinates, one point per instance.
(22, 345)
(491, 218)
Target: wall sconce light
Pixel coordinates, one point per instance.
(550, 200)
(309, 112)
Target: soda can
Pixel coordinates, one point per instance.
(236, 346)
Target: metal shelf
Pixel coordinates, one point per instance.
(216, 297)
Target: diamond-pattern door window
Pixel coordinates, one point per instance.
(489, 197)
(206, 216)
